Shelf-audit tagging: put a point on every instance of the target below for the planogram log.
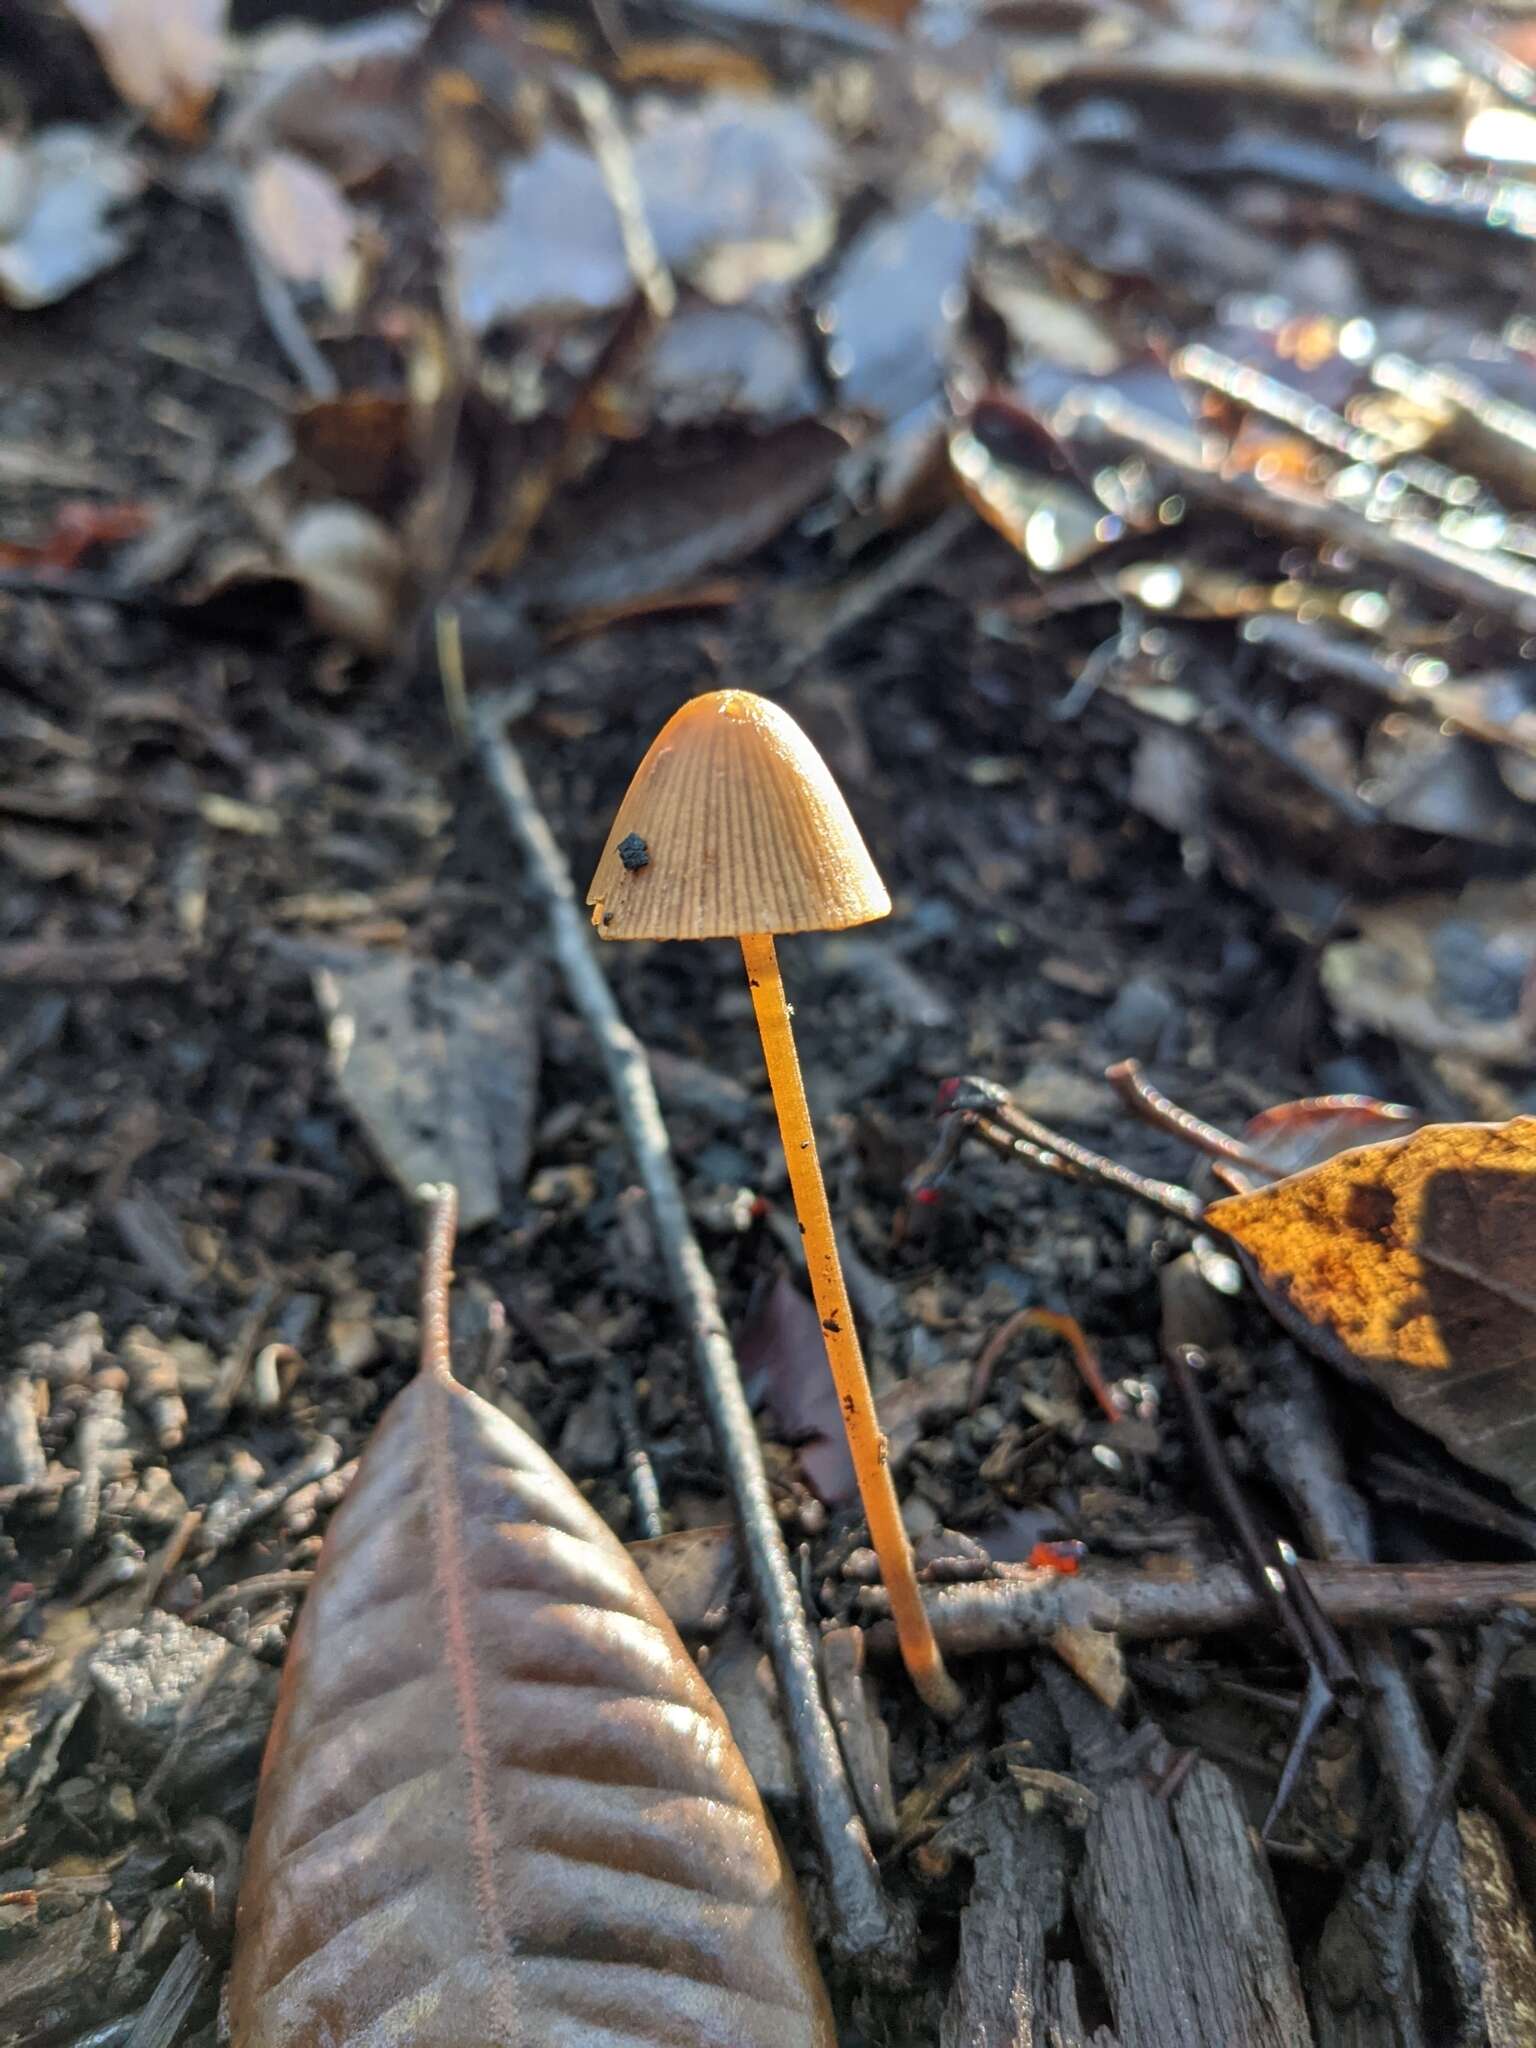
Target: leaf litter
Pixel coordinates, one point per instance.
(1228, 413)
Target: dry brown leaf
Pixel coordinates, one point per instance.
(166, 57)
(1413, 1263)
(499, 1803)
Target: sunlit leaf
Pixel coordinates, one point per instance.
(1413, 1263)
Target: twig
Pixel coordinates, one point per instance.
(1024, 1606)
(1066, 1327)
(160, 2022)
(1290, 1428)
(1163, 1114)
(866, 1921)
(1329, 1676)
(643, 1490)
(89, 963)
(1498, 1639)
(169, 1556)
(976, 1108)
(861, 598)
(265, 1586)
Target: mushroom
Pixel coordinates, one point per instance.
(734, 828)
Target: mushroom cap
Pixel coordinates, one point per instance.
(733, 824)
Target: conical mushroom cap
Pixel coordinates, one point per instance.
(733, 824)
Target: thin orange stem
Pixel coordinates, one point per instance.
(914, 1631)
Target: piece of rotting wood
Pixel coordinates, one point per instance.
(1175, 1901)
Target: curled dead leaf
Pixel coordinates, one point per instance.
(1410, 1264)
(352, 572)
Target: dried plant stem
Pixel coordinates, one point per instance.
(866, 1921)
(442, 1206)
(866, 1440)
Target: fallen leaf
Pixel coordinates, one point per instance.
(659, 513)
(65, 232)
(896, 298)
(693, 1573)
(783, 1352)
(553, 248)
(302, 219)
(1004, 466)
(1410, 1264)
(1292, 1136)
(358, 444)
(440, 1068)
(166, 57)
(713, 360)
(499, 1803)
(340, 97)
(737, 191)
(1448, 974)
(689, 64)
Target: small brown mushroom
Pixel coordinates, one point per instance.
(734, 828)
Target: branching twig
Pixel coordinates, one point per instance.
(866, 1920)
(1498, 1639)
(1290, 1428)
(980, 1109)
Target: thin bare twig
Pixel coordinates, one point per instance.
(1163, 1114)
(1025, 1606)
(1069, 1329)
(1290, 1428)
(1501, 1636)
(866, 1920)
(265, 1586)
(644, 1493)
(1010, 1131)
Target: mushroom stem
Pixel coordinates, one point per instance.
(914, 1631)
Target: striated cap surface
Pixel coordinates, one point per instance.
(733, 824)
